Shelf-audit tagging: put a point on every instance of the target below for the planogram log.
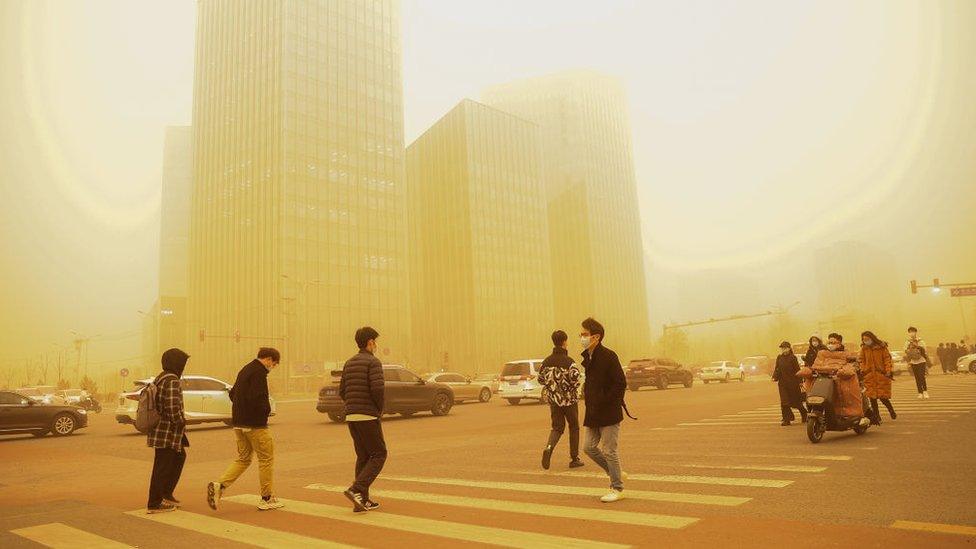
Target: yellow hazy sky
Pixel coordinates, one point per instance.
(761, 128)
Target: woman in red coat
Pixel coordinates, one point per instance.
(875, 364)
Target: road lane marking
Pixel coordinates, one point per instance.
(538, 509)
(431, 527)
(62, 536)
(935, 527)
(674, 497)
(722, 424)
(823, 457)
(785, 468)
(235, 531)
(685, 479)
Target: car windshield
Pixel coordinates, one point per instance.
(516, 369)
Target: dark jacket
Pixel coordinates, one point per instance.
(250, 396)
(361, 387)
(559, 378)
(603, 390)
(170, 432)
(811, 355)
(785, 376)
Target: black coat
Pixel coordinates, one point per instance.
(785, 376)
(252, 405)
(810, 356)
(604, 387)
(362, 386)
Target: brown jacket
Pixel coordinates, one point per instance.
(847, 390)
(876, 367)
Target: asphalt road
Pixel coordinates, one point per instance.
(708, 466)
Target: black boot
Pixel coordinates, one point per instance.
(547, 452)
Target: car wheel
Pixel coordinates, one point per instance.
(63, 425)
(442, 404)
(39, 434)
(336, 417)
(662, 382)
(972, 367)
(485, 395)
(513, 401)
(689, 382)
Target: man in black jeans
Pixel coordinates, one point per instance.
(361, 389)
(168, 437)
(560, 379)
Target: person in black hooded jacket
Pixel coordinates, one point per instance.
(168, 437)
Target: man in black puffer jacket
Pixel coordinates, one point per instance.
(361, 389)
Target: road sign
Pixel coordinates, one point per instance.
(306, 369)
(965, 291)
(124, 372)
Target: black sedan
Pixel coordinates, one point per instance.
(21, 414)
(405, 394)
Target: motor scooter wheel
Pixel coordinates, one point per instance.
(815, 429)
(861, 430)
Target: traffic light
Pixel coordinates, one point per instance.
(914, 286)
(203, 335)
(935, 285)
(237, 336)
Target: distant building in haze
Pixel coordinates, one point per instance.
(479, 242)
(591, 188)
(298, 224)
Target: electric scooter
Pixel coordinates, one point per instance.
(822, 418)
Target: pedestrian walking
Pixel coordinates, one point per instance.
(876, 367)
(943, 353)
(953, 355)
(918, 360)
(168, 437)
(362, 390)
(787, 365)
(603, 393)
(249, 417)
(816, 345)
(560, 378)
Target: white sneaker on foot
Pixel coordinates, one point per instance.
(920, 397)
(925, 394)
(269, 504)
(612, 496)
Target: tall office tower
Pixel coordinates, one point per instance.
(298, 232)
(164, 324)
(594, 222)
(479, 242)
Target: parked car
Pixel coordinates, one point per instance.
(464, 387)
(205, 400)
(519, 381)
(967, 363)
(42, 394)
(20, 413)
(490, 379)
(757, 365)
(405, 394)
(723, 371)
(898, 363)
(656, 372)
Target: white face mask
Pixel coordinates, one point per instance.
(585, 342)
(832, 346)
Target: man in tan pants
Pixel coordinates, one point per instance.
(252, 406)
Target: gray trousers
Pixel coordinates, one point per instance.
(606, 457)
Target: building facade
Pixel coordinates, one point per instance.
(591, 188)
(298, 231)
(481, 284)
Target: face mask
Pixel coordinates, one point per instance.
(868, 342)
(585, 342)
(832, 347)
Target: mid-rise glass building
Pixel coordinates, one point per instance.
(594, 221)
(298, 226)
(479, 242)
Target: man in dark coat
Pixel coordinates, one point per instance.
(249, 416)
(784, 375)
(943, 354)
(362, 390)
(603, 392)
(168, 437)
(560, 380)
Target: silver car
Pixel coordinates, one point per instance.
(464, 387)
(967, 363)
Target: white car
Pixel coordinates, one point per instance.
(72, 396)
(44, 394)
(464, 387)
(967, 363)
(205, 400)
(520, 381)
(722, 371)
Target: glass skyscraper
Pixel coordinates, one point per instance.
(479, 242)
(594, 222)
(298, 231)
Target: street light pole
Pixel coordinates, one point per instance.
(303, 284)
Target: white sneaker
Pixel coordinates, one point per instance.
(612, 496)
(269, 504)
(925, 394)
(920, 397)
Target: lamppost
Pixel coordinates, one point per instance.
(303, 284)
(958, 289)
(81, 344)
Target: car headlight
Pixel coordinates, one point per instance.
(815, 400)
(82, 411)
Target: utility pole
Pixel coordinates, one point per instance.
(958, 289)
(775, 311)
(303, 285)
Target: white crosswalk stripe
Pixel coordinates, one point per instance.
(686, 479)
(62, 536)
